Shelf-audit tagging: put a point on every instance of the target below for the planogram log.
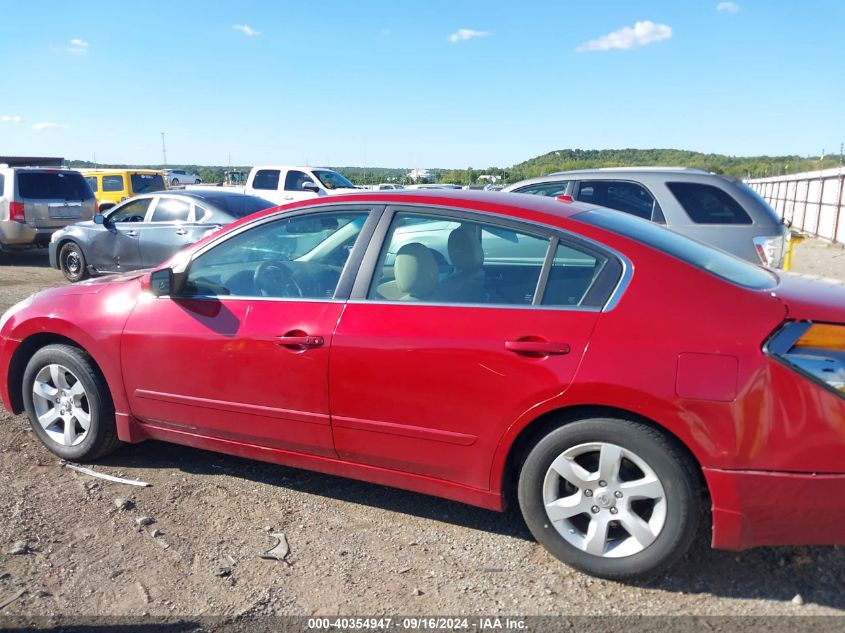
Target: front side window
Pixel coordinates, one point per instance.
(441, 259)
(171, 210)
(266, 179)
(549, 189)
(92, 182)
(706, 204)
(294, 180)
(131, 212)
(112, 183)
(290, 258)
(629, 197)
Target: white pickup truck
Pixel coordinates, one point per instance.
(283, 184)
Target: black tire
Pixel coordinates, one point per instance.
(72, 262)
(101, 437)
(174, 182)
(197, 181)
(674, 469)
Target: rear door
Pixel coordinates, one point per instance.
(168, 228)
(54, 198)
(456, 327)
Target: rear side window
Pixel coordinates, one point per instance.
(549, 189)
(92, 182)
(266, 179)
(572, 275)
(629, 197)
(716, 262)
(706, 204)
(147, 183)
(112, 183)
(171, 210)
(53, 185)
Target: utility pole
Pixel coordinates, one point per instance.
(163, 151)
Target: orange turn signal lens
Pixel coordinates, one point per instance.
(823, 336)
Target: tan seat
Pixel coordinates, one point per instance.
(415, 275)
(466, 283)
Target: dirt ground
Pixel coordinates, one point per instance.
(355, 548)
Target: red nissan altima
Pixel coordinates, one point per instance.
(611, 377)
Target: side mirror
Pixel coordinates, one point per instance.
(99, 219)
(310, 185)
(161, 282)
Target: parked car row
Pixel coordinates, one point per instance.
(610, 377)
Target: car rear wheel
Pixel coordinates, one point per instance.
(174, 182)
(68, 403)
(197, 181)
(611, 497)
(72, 262)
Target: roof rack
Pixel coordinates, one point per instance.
(691, 170)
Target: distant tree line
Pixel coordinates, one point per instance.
(559, 160)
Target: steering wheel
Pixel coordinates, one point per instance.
(273, 278)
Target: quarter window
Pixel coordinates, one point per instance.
(549, 189)
(112, 183)
(706, 204)
(266, 179)
(293, 258)
(439, 259)
(171, 210)
(629, 197)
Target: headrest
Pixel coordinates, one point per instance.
(415, 270)
(465, 249)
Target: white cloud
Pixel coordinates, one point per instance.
(48, 126)
(462, 35)
(246, 29)
(727, 7)
(640, 34)
(10, 118)
(77, 46)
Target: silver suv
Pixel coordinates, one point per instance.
(720, 211)
(37, 201)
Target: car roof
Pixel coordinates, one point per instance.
(634, 170)
(496, 202)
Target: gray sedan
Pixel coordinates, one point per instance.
(145, 230)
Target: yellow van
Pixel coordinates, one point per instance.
(113, 186)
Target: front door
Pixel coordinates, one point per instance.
(464, 327)
(115, 245)
(170, 228)
(242, 352)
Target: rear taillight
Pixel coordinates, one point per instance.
(770, 250)
(16, 212)
(96, 207)
(816, 350)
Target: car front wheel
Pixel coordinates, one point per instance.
(68, 403)
(72, 262)
(611, 497)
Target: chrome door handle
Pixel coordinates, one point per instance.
(537, 348)
(181, 232)
(131, 233)
(287, 197)
(300, 342)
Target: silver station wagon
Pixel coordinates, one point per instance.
(720, 211)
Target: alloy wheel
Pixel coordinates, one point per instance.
(61, 405)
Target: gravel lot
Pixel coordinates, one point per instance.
(355, 548)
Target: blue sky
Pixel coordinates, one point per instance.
(425, 84)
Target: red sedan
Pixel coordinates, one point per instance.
(610, 376)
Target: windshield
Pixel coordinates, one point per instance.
(712, 260)
(53, 185)
(332, 179)
(238, 206)
(147, 183)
